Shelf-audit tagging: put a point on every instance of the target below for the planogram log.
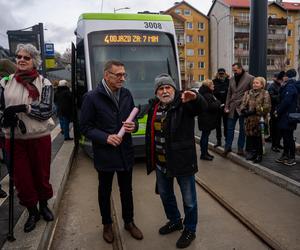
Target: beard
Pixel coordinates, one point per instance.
(166, 98)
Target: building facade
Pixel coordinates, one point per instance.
(193, 42)
(229, 35)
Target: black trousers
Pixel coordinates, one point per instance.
(289, 147)
(254, 145)
(275, 132)
(222, 117)
(104, 193)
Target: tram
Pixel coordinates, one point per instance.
(145, 43)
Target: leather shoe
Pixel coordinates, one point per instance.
(226, 152)
(3, 194)
(46, 212)
(258, 159)
(209, 155)
(206, 158)
(240, 152)
(108, 234)
(134, 231)
(32, 219)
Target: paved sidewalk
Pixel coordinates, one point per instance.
(269, 158)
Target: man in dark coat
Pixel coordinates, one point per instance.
(288, 104)
(103, 113)
(63, 101)
(275, 98)
(239, 83)
(221, 83)
(171, 152)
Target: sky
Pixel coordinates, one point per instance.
(60, 16)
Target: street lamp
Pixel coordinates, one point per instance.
(217, 22)
(124, 8)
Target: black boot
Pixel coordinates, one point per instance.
(45, 211)
(219, 143)
(258, 159)
(33, 217)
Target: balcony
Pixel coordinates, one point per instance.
(276, 51)
(241, 21)
(241, 35)
(277, 21)
(278, 37)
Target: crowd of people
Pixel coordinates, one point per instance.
(27, 102)
(260, 110)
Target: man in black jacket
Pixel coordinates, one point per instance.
(221, 83)
(104, 111)
(171, 152)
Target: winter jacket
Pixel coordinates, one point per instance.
(274, 95)
(100, 117)
(63, 100)
(221, 89)
(288, 104)
(236, 92)
(180, 140)
(259, 104)
(208, 119)
(37, 120)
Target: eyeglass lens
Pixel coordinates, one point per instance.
(26, 58)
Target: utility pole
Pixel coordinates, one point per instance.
(258, 38)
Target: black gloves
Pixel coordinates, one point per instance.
(247, 113)
(9, 115)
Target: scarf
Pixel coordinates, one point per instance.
(26, 78)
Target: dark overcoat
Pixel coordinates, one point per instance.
(288, 104)
(100, 117)
(180, 139)
(208, 119)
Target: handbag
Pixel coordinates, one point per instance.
(294, 117)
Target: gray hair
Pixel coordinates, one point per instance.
(32, 51)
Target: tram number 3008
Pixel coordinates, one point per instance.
(151, 25)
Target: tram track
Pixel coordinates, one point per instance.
(237, 214)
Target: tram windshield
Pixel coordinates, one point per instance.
(145, 55)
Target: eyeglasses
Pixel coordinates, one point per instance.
(119, 75)
(26, 58)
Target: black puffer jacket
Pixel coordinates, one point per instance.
(209, 118)
(180, 140)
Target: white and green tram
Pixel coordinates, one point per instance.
(145, 43)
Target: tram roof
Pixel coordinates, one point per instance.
(125, 16)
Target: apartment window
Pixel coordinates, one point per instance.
(245, 16)
(288, 61)
(245, 61)
(178, 11)
(189, 52)
(245, 46)
(190, 65)
(201, 26)
(187, 12)
(201, 39)
(201, 65)
(201, 52)
(189, 38)
(201, 77)
(290, 32)
(189, 25)
(270, 61)
(272, 31)
(290, 19)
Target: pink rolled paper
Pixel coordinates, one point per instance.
(130, 118)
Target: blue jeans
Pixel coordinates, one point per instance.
(230, 132)
(64, 125)
(187, 186)
(204, 142)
